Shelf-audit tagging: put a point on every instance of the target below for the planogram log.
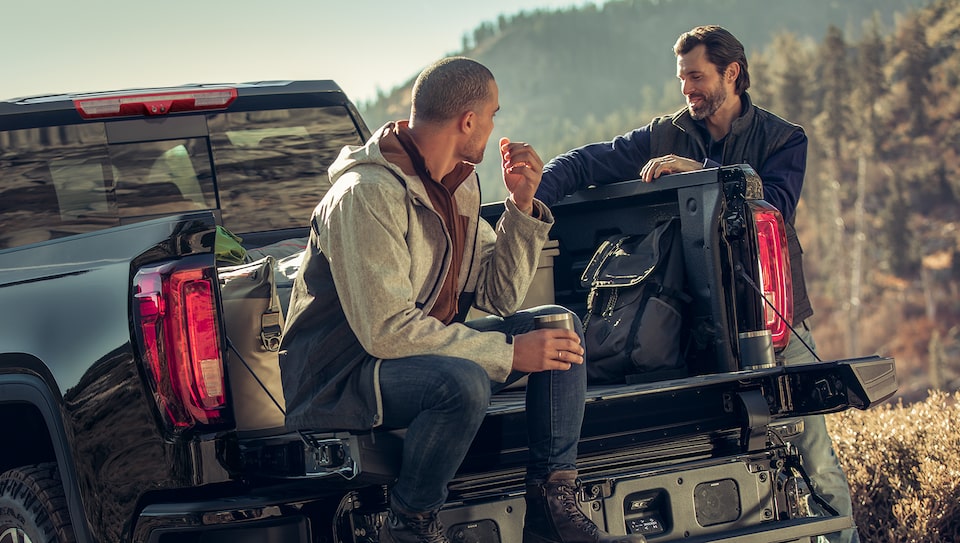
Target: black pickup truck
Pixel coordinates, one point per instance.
(134, 411)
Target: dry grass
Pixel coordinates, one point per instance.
(903, 465)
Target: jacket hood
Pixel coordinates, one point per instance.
(370, 152)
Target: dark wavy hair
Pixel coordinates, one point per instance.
(723, 49)
(448, 88)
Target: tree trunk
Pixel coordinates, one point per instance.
(856, 260)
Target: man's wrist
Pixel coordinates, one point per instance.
(527, 209)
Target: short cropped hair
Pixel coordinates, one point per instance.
(448, 88)
(723, 49)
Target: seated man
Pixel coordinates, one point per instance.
(375, 336)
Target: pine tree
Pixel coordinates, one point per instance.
(832, 127)
(915, 67)
(791, 77)
(870, 61)
(836, 85)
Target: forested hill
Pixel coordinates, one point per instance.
(571, 76)
(873, 82)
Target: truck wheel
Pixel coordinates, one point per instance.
(33, 508)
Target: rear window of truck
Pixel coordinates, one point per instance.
(272, 164)
(261, 169)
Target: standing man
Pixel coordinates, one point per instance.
(376, 335)
(720, 126)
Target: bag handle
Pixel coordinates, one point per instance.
(271, 332)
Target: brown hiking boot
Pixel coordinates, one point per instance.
(408, 527)
(554, 516)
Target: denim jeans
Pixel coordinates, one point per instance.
(443, 400)
(816, 448)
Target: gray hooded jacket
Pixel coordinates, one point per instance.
(376, 258)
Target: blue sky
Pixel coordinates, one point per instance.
(51, 46)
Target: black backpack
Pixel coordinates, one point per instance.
(634, 321)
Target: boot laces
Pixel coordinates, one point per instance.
(427, 527)
(568, 499)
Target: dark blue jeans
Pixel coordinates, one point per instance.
(442, 402)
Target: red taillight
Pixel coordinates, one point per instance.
(158, 103)
(180, 342)
(776, 282)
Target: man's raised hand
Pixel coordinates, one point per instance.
(522, 169)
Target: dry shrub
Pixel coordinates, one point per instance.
(903, 465)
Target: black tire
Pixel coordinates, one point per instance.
(33, 508)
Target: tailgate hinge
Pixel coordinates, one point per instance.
(753, 436)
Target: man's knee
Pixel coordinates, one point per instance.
(469, 385)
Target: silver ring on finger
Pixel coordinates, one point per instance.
(560, 355)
